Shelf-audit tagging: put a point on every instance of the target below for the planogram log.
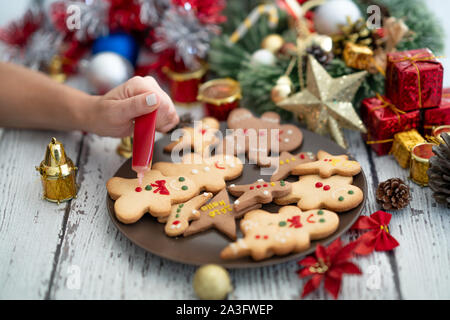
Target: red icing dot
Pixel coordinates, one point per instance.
(319, 185)
(251, 188)
(176, 222)
(281, 131)
(257, 237)
(266, 237)
(138, 189)
(258, 186)
(203, 131)
(265, 185)
(302, 156)
(326, 188)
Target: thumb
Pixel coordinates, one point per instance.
(139, 105)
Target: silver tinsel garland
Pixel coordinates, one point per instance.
(152, 11)
(181, 30)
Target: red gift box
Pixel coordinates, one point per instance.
(383, 120)
(414, 79)
(438, 116)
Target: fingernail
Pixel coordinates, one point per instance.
(151, 99)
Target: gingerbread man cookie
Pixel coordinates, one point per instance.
(218, 214)
(180, 216)
(200, 138)
(287, 162)
(328, 165)
(312, 192)
(259, 192)
(291, 230)
(255, 135)
(156, 195)
(210, 173)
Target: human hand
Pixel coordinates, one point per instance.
(113, 113)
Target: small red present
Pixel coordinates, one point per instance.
(438, 116)
(414, 79)
(383, 119)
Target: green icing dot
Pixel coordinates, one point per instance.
(178, 210)
(181, 205)
(148, 187)
(282, 183)
(320, 212)
(184, 188)
(177, 215)
(282, 223)
(341, 198)
(322, 220)
(351, 192)
(181, 179)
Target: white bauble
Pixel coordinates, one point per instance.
(107, 70)
(333, 13)
(263, 56)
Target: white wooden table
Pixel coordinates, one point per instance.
(46, 248)
(73, 251)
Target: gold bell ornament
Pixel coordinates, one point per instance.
(125, 148)
(57, 174)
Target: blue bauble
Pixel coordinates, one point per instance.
(121, 43)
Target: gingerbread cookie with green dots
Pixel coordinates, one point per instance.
(217, 214)
(198, 138)
(156, 195)
(259, 192)
(290, 231)
(180, 216)
(328, 165)
(335, 193)
(210, 173)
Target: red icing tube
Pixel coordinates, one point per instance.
(143, 141)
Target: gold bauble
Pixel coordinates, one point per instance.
(212, 282)
(282, 89)
(272, 42)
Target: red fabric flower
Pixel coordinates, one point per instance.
(378, 238)
(207, 11)
(329, 264)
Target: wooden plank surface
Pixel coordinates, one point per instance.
(30, 228)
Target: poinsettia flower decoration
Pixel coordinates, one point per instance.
(379, 237)
(329, 265)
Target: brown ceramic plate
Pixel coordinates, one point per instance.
(205, 247)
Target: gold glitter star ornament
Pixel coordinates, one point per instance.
(325, 104)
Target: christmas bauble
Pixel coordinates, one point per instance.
(282, 89)
(212, 282)
(120, 43)
(273, 42)
(333, 13)
(263, 56)
(107, 70)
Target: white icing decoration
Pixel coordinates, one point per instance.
(206, 194)
(232, 165)
(286, 140)
(260, 180)
(194, 171)
(207, 169)
(289, 131)
(232, 185)
(194, 211)
(236, 202)
(266, 192)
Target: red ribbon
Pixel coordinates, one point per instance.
(378, 238)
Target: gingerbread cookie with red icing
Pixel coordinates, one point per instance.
(290, 231)
(287, 162)
(199, 138)
(257, 136)
(180, 216)
(259, 192)
(156, 195)
(217, 214)
(328, 165)
(209, 173)
(335, 193)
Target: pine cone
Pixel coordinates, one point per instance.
(439, 171)
(321, 56)
(393, 194)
